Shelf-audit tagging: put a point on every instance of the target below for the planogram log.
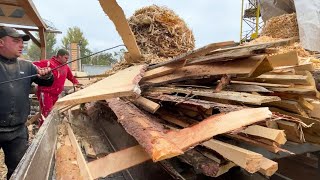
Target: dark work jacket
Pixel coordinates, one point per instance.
(14, 96)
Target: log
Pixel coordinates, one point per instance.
(147, 132)
(123, 83)
(275, 135)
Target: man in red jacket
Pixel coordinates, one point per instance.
(48, 96)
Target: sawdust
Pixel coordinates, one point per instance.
(66, 163)
(158, 30)
(284, 26)
(3, 168)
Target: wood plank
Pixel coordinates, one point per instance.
(33, 119)
(291, 130)
(300, 91)
(146, 104)
(284, 59)
(143, 128)
(288, 105)
(246, 159)
(117, 161)
(123, 83)
(315, 113)
(246, 88)
(84, 170)
(253, 142)
(224, 95)
(198, 52)
(222, 56)
(163, 70)
(196, 102)
(283, 79)
(216, 124)
(261, 84)
(117, 16)
(272, 134)
(243, 67)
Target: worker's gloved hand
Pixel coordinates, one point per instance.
(44, 73)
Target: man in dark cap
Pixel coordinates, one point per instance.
(48, 96)
(14, 95)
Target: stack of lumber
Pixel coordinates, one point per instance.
(195, 105)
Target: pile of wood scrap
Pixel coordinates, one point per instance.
(195, 105)
(158, 30)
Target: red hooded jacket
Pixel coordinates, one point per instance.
(60, 75)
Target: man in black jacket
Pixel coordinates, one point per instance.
(14, 96)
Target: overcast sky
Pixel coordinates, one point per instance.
(210, 20)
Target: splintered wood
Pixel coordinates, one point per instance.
(283, 26)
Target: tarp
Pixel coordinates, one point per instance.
(308, 16)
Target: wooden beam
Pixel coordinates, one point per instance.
(224, 95)
(32, 12)
(246, 159)
(268, 167)
(291, 130)
(122, 84)
(34, 40)
(275, 135)
(43, 45)
(117, 16)
(284, 59)
(198, 52)
(84, 170)
(288, 105)
(146, 104)
(283, 79)
(246, 88)
(117, 161)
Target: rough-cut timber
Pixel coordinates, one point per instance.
(196, 102)
(123, 83)
(116, 14)
(118, 161)
(147, 132)
(146, 104)
(198, 52)
(217, 124)
(222, 95)
(271, 134)
(244, 67)
(246, 159)
(268, 167)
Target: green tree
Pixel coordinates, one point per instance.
(103, 59)
(75, 35)
(119, 55)
(34, 51)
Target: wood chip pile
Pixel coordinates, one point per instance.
(284, 26)
(198, 104)
(158, 30)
